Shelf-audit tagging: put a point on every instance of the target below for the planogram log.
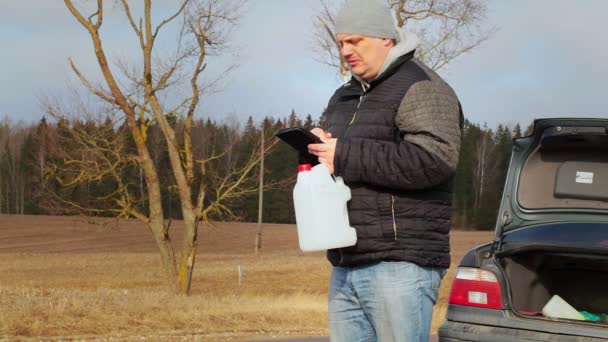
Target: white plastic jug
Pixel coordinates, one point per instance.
(321, 213)
(559, 308)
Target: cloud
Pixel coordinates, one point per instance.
(548, 58)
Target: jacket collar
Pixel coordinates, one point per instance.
(359, 85)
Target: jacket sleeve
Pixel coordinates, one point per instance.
(429, 121)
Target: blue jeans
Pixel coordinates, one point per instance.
(384, 302)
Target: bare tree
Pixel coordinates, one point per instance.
(140, 95)
(13, 173)
(4, 136)
(327, 45)
(258, 233)
(447, 28)
(483, 154)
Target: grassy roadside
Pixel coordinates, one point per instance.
(63, 295)
(78, 295)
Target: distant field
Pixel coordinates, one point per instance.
(71, 277)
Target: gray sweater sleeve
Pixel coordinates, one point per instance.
(429, 119)
(430, 116)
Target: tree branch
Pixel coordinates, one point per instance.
(127, 9)
(99, 14)
(343, 63)
(78, 16)
(168, 20)
(90, 87)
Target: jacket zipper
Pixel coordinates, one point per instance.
(347, 128)
(393, 212)
(354, 115)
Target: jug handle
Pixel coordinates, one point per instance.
(338, 180)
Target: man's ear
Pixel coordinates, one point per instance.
(388, 42)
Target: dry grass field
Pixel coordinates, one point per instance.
(70, 278)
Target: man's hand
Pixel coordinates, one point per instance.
(326, 151)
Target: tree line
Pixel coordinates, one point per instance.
(36, 176)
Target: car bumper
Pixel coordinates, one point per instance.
(458, 332)
(464, 323)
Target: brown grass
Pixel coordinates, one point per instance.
(66, 277)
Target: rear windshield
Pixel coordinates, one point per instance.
(567, 169)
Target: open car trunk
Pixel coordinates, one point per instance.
(534, 276)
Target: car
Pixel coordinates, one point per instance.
(550, 244)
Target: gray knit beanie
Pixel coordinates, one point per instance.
(371, 18)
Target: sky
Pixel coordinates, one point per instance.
(548, 58)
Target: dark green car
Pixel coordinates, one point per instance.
(551, 243)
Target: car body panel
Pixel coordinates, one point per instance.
(560, 228)
(582, 236)
(511, 214)
(507, 319)
(460, 332)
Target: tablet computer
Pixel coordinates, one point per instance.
(299, 138)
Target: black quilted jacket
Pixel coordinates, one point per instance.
(397, 150)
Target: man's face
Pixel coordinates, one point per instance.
(365, 55)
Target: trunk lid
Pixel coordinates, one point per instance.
(558, 179)
(552, 230)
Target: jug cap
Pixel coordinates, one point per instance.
(304, 167)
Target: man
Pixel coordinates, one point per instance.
(393, 134)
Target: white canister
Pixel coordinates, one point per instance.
(321, 212)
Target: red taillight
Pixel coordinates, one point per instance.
(476, 287)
